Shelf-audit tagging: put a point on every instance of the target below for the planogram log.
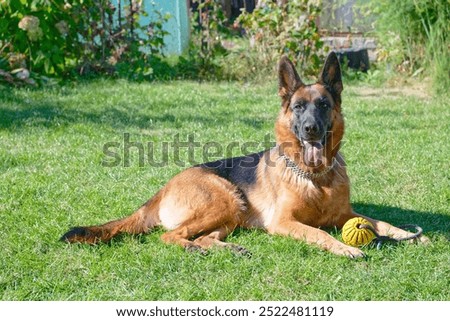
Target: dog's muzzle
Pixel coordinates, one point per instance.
(312, 153)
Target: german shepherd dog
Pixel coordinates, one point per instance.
(292, 189)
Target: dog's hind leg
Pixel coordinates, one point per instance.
(181, 236)
(202, 235)
(199, 204)
(215, 238)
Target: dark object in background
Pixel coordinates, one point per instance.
(356, 59)
(232, 8)
(237, 5)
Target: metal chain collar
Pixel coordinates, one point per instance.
(306, 175)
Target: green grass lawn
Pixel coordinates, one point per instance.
(51, 178)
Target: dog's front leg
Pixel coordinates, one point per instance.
(313, 235)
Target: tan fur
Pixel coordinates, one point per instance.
(199, 208)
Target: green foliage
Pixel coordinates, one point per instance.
(218, 51)
(54, 38)
(63, 39)
(373, 76)
(414, 36)
(208, 28)
(288, 28)
(38, 35)
(209, 24)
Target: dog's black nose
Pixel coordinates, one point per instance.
(311, 128)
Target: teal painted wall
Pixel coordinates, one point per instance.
(177, 26)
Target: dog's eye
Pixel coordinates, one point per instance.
(323, 103)
(299, 106)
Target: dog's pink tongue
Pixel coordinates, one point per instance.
(312, 153)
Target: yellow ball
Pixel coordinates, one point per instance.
(355, 236)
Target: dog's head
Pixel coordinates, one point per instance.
(310, 125)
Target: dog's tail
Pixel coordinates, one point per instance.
(141, 221)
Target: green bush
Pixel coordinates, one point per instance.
(286, 28)
(414, 36)
(60, 37)
(208, 29)
(252, 46)
(39, 36)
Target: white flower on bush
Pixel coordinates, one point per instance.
(28, 23)
(62, 27)
(31, 25)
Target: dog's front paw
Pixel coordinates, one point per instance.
(348, 251)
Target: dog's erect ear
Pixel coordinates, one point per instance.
(288, 78)
(331, 76)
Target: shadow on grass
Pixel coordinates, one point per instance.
(46, 113)
(430, 222)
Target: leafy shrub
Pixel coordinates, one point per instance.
(414, 36)
(208, 28)
(218, 50)
(54, 38)
(286, 27)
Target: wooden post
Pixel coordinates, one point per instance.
(226, 7)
